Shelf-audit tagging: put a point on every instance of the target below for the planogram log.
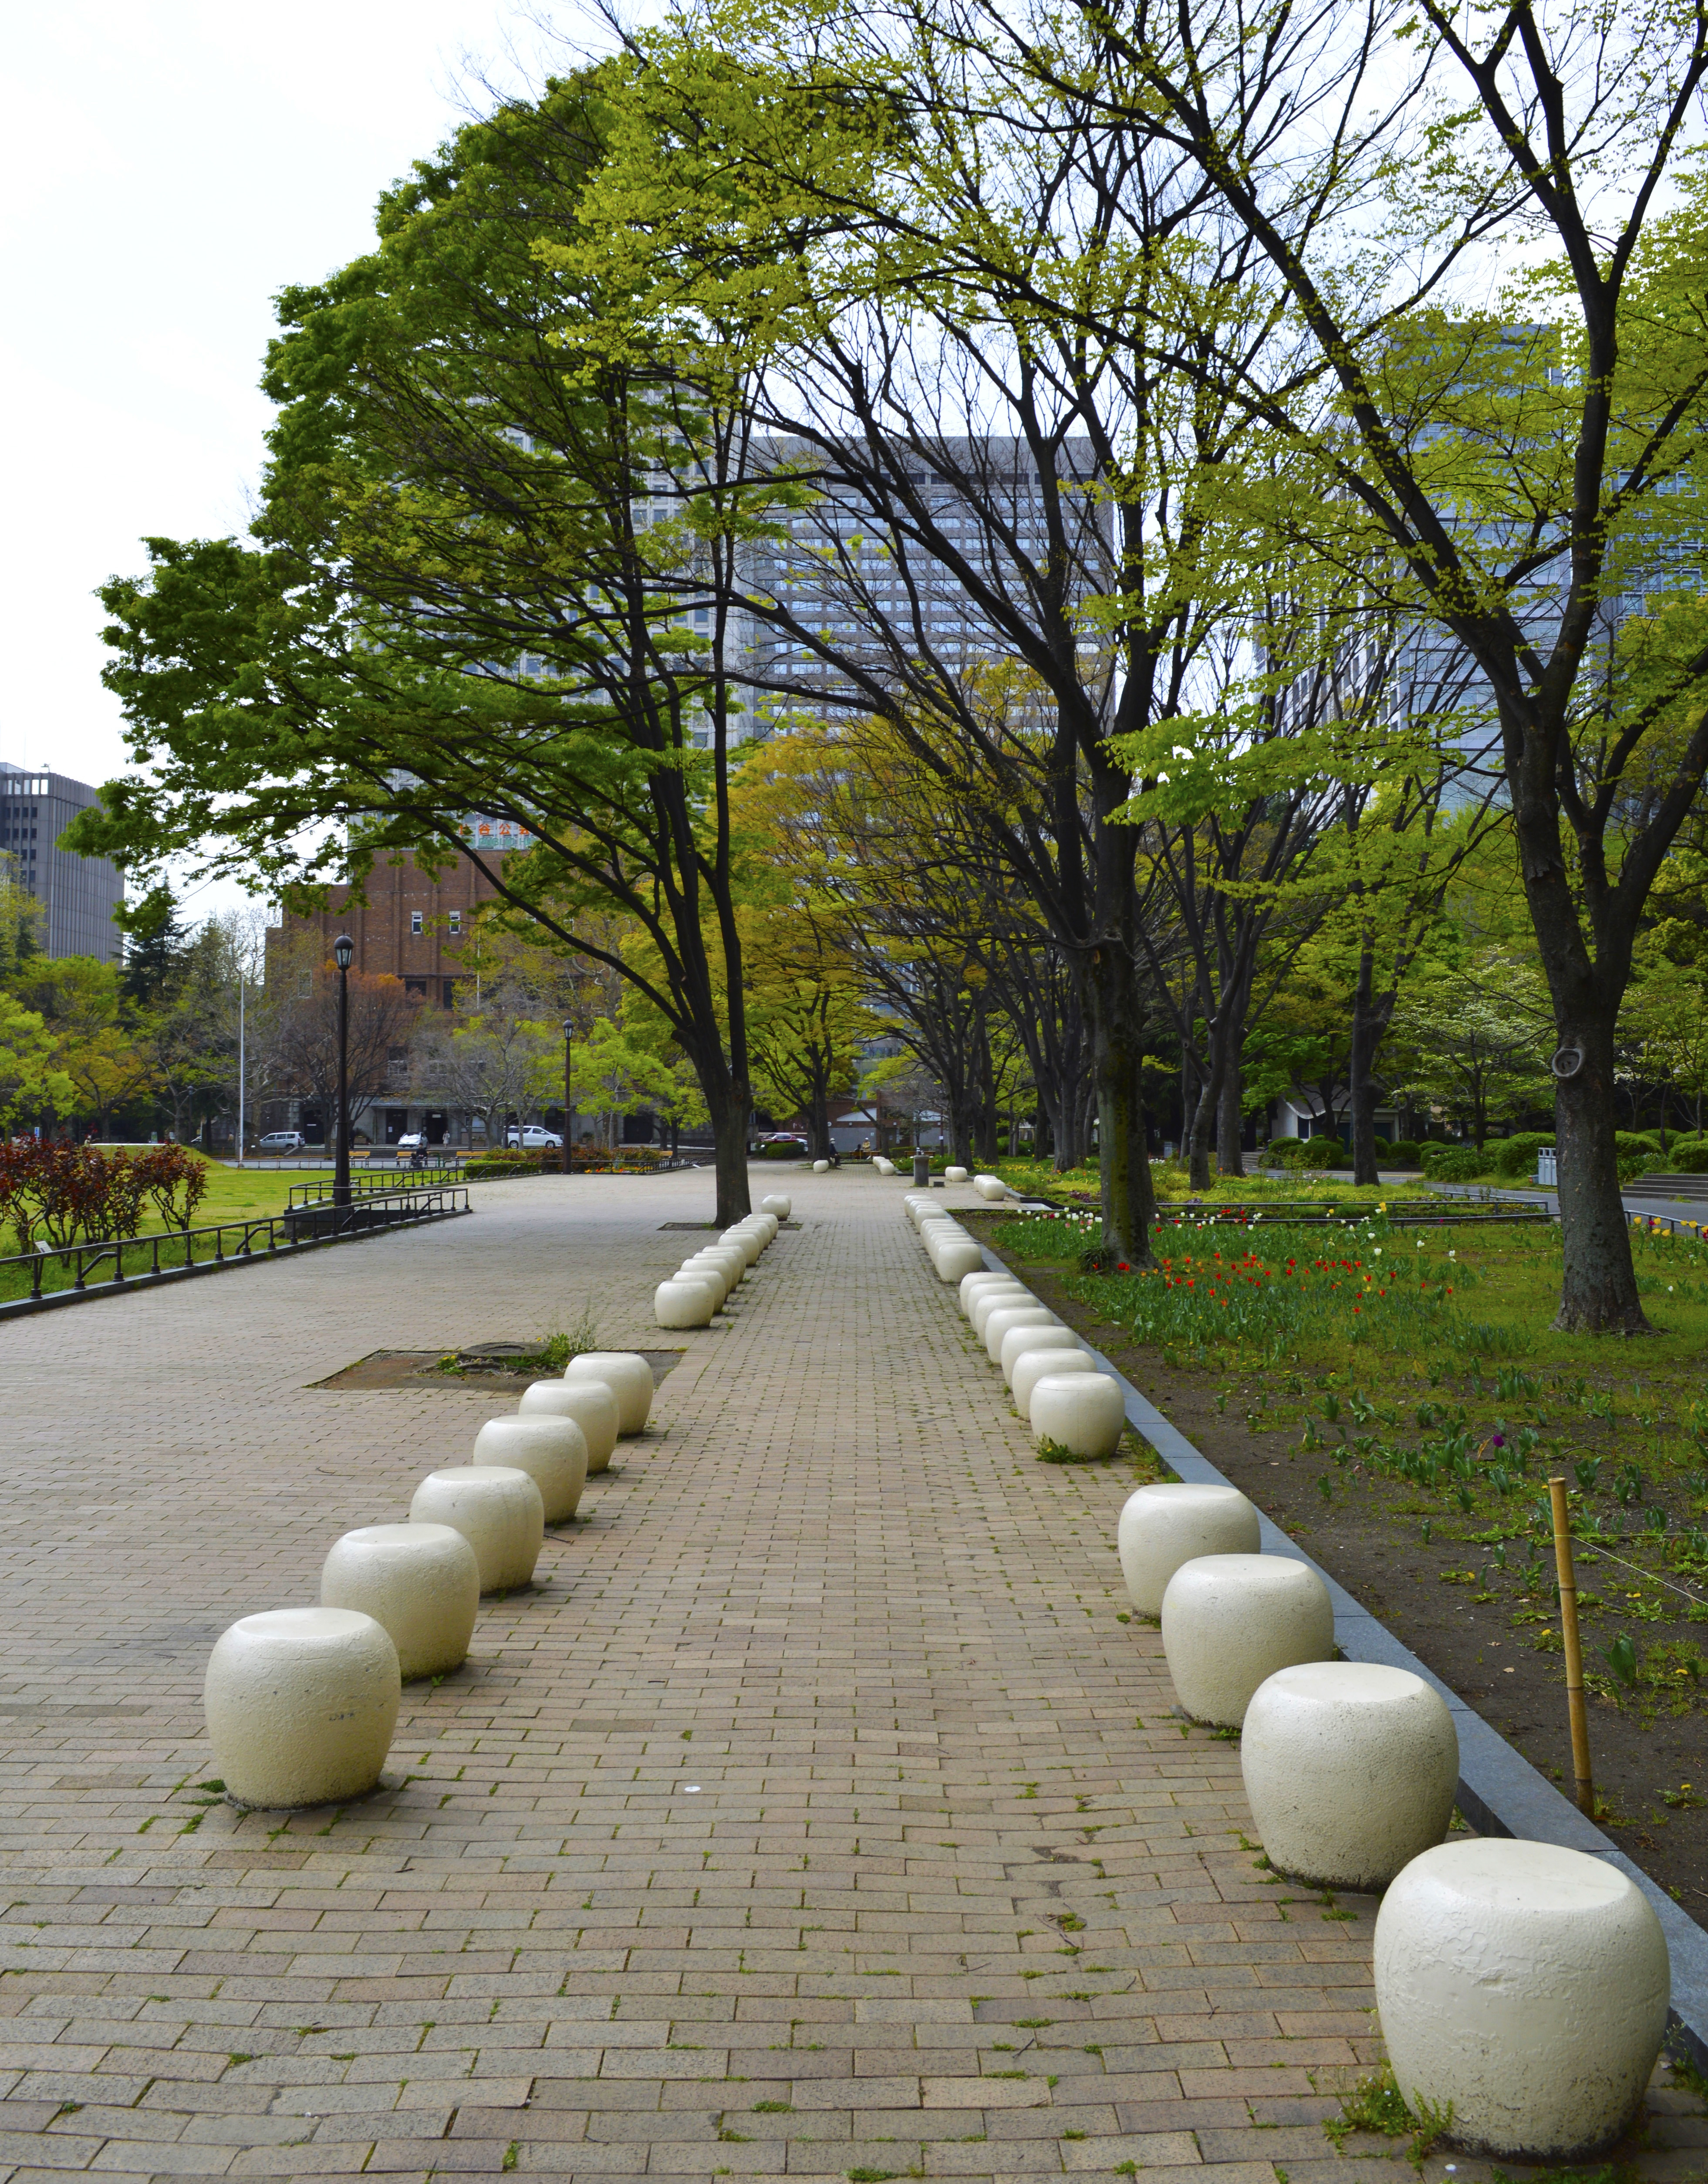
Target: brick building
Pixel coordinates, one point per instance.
(412, 927)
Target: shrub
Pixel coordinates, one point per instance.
(1516, 1156)
(1637, 1150)
(69, 1193)
(1453, 1163)
(1321, 1152)
(1404, 1153)
(1286, 1153)
(1688, 1156)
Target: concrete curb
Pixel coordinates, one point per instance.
(1499, 1792)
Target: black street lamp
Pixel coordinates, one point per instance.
(569, 1110)
(343, 952)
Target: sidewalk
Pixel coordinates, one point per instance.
(814, 1816)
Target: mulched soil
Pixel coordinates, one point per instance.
(1371, 1541)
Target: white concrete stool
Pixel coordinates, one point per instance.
(551, 1450)
(1001, 1317)
(989, 1300)
(750, 1242)
(1162, 1527)
(821, 1167)
(420, 1582)
(1020, 1342)
(1527, 1986)
(301, 1705)
(628, 1376)
(777, 1205)
(990, 1186)
(498, 1511)
(1083, 1413)
(975, 1285)
(685, 1300)
(1350, 1771)
(592, 1404)
(715, 1277)
(954, 1175)
(958, 1259)
(1035, 1365)
(723, 1260)
(1229, 1621)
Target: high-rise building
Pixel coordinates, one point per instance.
(78, 894)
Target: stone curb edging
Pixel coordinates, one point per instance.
(20, 1307)
(1499, 1792)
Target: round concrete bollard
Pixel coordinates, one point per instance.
(767, 1224)
(990, 1186)
(1525, 1985)
(301, 1704)
(592, 1404)
(941, 1236)
(821, 1167)
(975, 1285)
(1001, 1317)
(954, 1175)
(1162, 1527)
(421, 1584)
(628, 1376)
(498, 1510)
(1022, 1341)
(714, 1272)
(958, 1259)
(730, 1258)
(551, 1450)
(1083, 1413)
(776, 1204)
(1229, 1621)
(747, 1241)
(1350, 1771)
(1035, 1365)
(685, 1302)
(989, 1300)
(884, 1166)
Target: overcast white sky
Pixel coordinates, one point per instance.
(167, 167)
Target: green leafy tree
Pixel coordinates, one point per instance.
(490, 574)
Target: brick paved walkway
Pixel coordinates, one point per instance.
(814, 1816)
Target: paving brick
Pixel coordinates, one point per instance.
(725, 1853)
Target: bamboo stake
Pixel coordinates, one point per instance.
(1574, 1648)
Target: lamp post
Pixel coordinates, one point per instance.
(569, 1110)
(343, 951)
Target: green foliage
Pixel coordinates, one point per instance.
(1514, 1157)
(1452, 1163)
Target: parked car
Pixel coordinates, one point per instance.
(412, 1141)
(282, 1141)
(532, 1138)
(783, 1144)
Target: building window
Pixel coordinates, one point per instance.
(450, 992)
(397, 1063)
(456, 921)
(415, 921)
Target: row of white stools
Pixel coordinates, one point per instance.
(302, 1702)
(1523, 1988)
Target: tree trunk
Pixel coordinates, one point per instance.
(1371, 1014)
(1117, 1031)
(727, 1103)
(1597, 1293)
(1203, 1112)
(1230, 1121)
